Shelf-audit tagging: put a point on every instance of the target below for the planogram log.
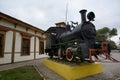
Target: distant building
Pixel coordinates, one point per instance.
(19, 41)
(60, 24)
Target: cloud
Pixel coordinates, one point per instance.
(44, 13)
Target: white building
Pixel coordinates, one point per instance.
(19, 41)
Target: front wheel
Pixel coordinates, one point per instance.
(69, 55)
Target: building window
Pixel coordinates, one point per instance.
(25, 46)
(1, 44)
(41, 47)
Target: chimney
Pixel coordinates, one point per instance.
(83, 15)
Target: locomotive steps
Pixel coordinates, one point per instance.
(74, 71)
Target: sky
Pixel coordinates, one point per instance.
(45, 13)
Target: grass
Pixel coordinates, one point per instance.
(20, 73)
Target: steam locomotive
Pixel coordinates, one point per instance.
(70, 43)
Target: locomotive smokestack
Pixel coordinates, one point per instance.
(83, 15)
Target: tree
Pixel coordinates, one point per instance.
(113, 32)
(105, 34)
(112, 44)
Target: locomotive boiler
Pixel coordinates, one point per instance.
(70, 43)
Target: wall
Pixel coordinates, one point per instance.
(8, 48)
(37, 48)
(18, 56)
(7, 24)
(18, 42)
(21, 28)
(17, 47)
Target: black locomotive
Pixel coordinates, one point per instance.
(68, 43)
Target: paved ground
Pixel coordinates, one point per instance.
(111, 70)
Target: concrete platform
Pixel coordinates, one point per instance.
(74, 72)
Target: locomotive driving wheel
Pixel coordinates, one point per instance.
(59, 53)
(69, 55)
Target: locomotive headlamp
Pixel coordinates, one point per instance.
(75, 43)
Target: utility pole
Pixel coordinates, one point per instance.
(119, 40)
(66, 13)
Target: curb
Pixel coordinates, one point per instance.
(37, 69)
